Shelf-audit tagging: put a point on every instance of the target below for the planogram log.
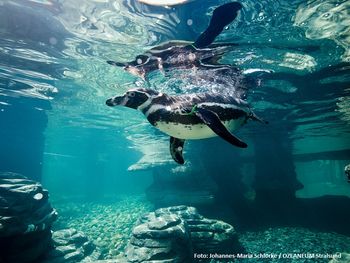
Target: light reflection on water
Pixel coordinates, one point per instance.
(326, 20)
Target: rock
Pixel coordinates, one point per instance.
(185, 212)
(24, 206)
(165, 239)
(70, 245)
(26, 217)
(164, 222)
(173, 234)
(207, 235)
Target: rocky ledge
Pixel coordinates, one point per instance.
(26, 217)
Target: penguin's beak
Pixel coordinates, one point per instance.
(130, 67)
(115, 101)
(117, 64)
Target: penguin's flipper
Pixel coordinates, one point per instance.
(212, 120)
(223, 45)
(176, 148)
(222, 16)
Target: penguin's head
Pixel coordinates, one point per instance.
(133, 98)
(139, 66)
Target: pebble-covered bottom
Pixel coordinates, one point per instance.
(107, 224)
(291, 244)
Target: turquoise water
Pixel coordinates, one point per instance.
(56, 129)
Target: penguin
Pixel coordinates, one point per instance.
(189, 116)
(183, 54)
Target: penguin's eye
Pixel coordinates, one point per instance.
(142, 59)
(131, 94)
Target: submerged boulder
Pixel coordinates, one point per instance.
(26, 217)
(165, 239)
(174, 234)
(69, 246)
(207, 235)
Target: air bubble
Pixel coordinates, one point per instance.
(326, 15)
(261, 16)
(189, 22)
(53, 40)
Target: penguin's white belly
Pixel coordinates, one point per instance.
(196, 131)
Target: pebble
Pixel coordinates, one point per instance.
(108, 225)
(293, 240)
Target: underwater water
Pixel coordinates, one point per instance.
(104, 168)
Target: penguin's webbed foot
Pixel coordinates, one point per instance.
(176, 149)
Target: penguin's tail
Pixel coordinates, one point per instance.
(254, 117)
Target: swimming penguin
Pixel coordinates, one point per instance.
(183, 54)
(189, 116)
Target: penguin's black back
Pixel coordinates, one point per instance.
(177, 109)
